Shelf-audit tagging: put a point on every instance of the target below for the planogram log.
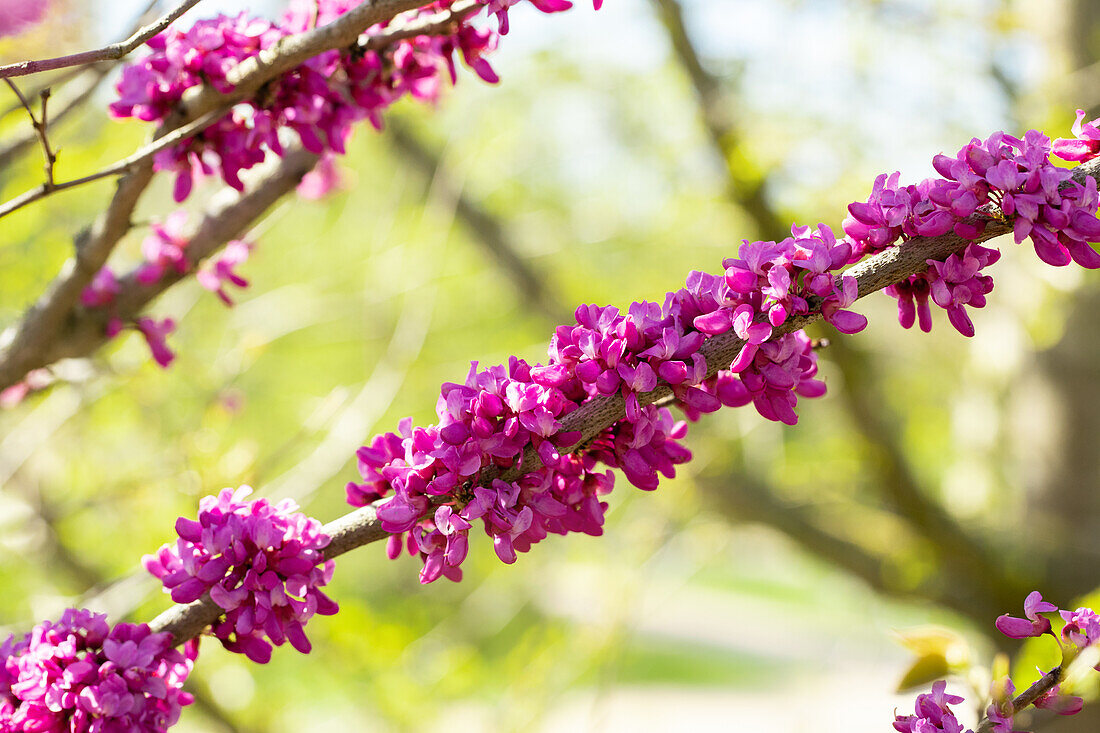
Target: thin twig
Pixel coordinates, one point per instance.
(1042, 686)
(126, 165)
(98, 71)
(101, 69)
(107, 53)
(10, 149)
(39, 126)
(362, 527)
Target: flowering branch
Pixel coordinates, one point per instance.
(1041, 688)
(107, 53)
(25, 346)
(250, 75)
(746, 500)
(1077, 641)
(362, 526)
(228, 218)
(440, 23)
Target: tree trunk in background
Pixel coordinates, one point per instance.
(1070, 488)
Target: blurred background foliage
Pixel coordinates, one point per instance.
(762, 589)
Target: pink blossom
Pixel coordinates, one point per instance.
(164, 249)
(102, 290)
(156, 335)
(261, 563)
(1034, 624)
(81, 674)
(322, 180)
(218, 272)
(16, 16)
(1086, 142)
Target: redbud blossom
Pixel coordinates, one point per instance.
(80, 674)
(261, 564)
(1034, 624)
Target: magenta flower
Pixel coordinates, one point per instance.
(1086, 142)
(324, 179)
(164, 249)
(1082, 627)
(80, 674)
(156, 336)
(932, 713)
(261, 564)
(956, 283)
(1034, 624)
(1002, 721)
(218, 272)
(101, 291)
(1056, 702)
(17, 16)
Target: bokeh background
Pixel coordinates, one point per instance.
(776, 583)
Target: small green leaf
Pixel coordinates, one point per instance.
(926, 669)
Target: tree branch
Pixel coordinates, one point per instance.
(1043, 685)
(24, 346)
(229, 217)
(107, 53)
(184, 128)
(361, 526)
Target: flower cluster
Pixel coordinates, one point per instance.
(487, 424)
(1085, 144)
(81, 674)
(319, 101)
(262, 564)
(1016, 175)
(1080, 630)
(164, 253)
(932, 713)
(438, 480)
